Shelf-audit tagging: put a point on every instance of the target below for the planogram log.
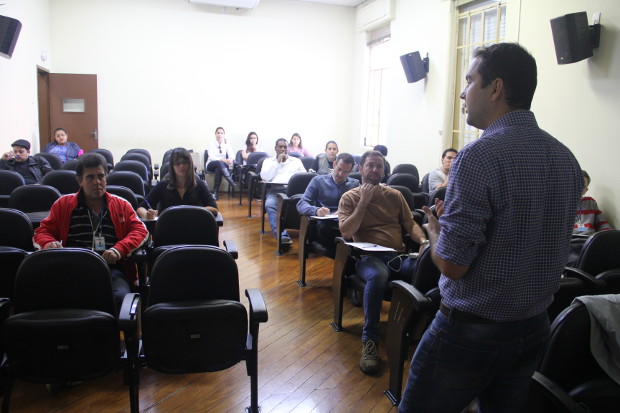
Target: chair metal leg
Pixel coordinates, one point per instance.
(338, 290)
(302, 252)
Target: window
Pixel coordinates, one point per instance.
(374, 130)
(479, 23)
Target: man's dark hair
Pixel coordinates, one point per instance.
(370, 153)
(281, 140)
(346, 158)
(515, 66)
(381, 148)
(90, 160)
(585, 175)
(443, 155)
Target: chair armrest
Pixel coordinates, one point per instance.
(412, 295)
(592, 284)
(231, 247)
(553, 393)
(258, 309)
(4, 308)
(156, 166)
(130, 311)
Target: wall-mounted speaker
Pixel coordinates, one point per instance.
(415, 67)
(571, 37)
(9, 32)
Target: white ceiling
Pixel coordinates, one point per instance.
(351, 3)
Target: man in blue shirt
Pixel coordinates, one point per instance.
(500, 260)
(322, 197)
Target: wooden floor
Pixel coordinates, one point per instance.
(304, 366)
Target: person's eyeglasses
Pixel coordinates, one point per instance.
(450, 157)
(179, 163)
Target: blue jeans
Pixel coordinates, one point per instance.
(271, 206)
(456, 362)
(374, 270)
(119, 286)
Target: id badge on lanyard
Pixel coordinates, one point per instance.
(98, 243)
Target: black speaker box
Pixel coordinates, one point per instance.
(571, 37)
(415, 68)
(9, 32)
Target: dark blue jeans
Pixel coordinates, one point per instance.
(456, 362)
(375, 271)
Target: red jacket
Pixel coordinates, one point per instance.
(130, 231)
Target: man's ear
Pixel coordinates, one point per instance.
(497, 88)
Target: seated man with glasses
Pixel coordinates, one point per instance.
(380, 215)
(439, 177)
(321, 198)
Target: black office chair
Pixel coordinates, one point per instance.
(107, 155)
(65, 327)
(144, 152)
(404, 179)
(33, 198)
(414, 201)
(287, 214)
(412, 309)
(307, 161)
(356, 175)
(128, 179)
(136, 167)
(15, 244)
(194, 321)
(407, 168)
(569, 379)
(256, 188)
(54, 161)
(424, 186)
(439, 193)
(70, 165)
(9, 180)
(142, 158)
(125, 193)
(64, 180)
(244, 171)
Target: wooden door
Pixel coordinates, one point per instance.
(73, 107)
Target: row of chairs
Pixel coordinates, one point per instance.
(65, 327)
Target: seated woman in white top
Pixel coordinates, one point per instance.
(439, 177)
(221, 157)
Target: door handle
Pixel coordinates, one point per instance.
(95, 134)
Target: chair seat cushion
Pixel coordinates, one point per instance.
(58, 345)
(194, 335)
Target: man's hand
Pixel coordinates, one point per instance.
(321, 212)
(366, 193)
(282, 157)
(110, 256)
(8, 155)
(53, 244)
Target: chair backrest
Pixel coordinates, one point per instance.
(191, 272)
(9, 180)
(406, 168)
(71, 165)
(259, 165)
(125, 193)
(164, 170)
(426, 275)
(106, 154)
(405, 179)
(600, 252)
(16, 229)
(295, 154)
(143, 152)
(137, 156)
(424, 185)
(64, 180)
(437, 193)
(186, 224)
(307, 161)
(32, 198)
(133, 166)
(299, 182)
(568, 360)
(64, 278)
(54, 161)
(254, 157)
(239, 157)
(129, 179)
(166, 157)
(356, 175)
(357, 159)
(407, 194)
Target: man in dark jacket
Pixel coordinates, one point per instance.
(19, 160)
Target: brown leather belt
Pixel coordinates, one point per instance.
(463, 316)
